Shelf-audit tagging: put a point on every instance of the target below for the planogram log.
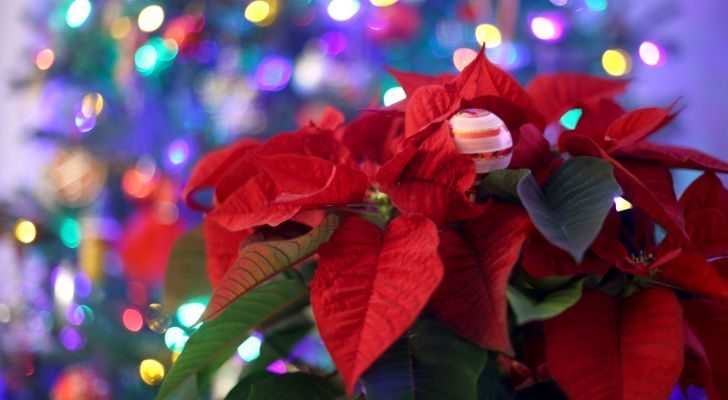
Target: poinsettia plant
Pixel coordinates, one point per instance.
(371, 235)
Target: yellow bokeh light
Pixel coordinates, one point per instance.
(616, 62)
(488, 34)
(151, 18)
(151, 371)
(92, 104)
(382, 3)
(120, 27)
(260, 12)
(620, 204)
(25, 231)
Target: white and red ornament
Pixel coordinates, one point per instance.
(484, 137)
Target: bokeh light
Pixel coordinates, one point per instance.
(178, 152)
(151, 371)
(145, 59)
(92, 104)
(343, 10)
(189, 313)
(120, 27)
(462, 57)
(257, 11)
(393, 95)
(141, 181)
(620, 204)
(77, 13)
(132, 320)
(547, 27)
(70, 233)
(63, 286)
(651, 54)
(157, 320)
(277, 367)
(488, 34)
(273, 73)
(25, 231)
(44, 59)
(382, 3)
(71, 339)
(175, 339)
(596, 5)
(616, 62)
(249, 350)
(151, 18)
(84, 123)
(571, 118)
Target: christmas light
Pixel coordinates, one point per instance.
(189, 313)
(145, 59)
(71, 339)
(175, 338)
(547, 27)
(382, 3)
(257, 11)
(70, 233)
(178, 152)
(92, 104)
(151, 18)
(249, 350)
(132, 320)
(596, 5)
(616, 62)
(25, 231)
(273, 73)
(394, 95)
(77, 13)
(651, 54)
(151, 371)
(343, 10)
(277, 367)
(120, 27)
(489, 35)
(462, 57)
(63, 286)
(571, 118)
(44, 59)
(620, 204)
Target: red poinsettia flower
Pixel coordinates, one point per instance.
(606, 131)
(257, 184)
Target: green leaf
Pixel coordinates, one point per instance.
(296, 386)
(429, 363)
(530, 307)
(502, 183)
(574, 203)
(261, 261)
(241, 390)
(216, 339)
(186, 276)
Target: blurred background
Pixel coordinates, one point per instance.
(106, 104)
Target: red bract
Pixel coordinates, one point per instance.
(222, 249)
(373, 138)
(707, 325)
(430, 177)
(478, 263)
(554, 94)
(370, 286)
(290, 172)
(603, 348)
(705, 204)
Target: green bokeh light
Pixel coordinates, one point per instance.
(571, 118)
(70, 233)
